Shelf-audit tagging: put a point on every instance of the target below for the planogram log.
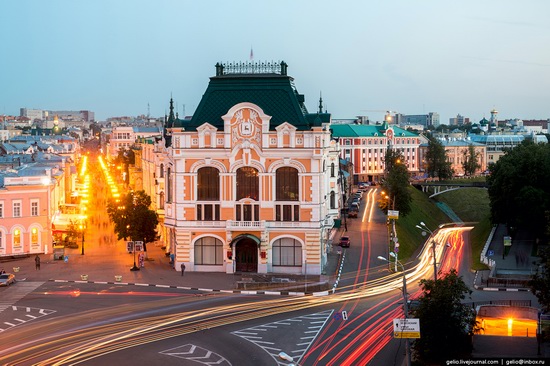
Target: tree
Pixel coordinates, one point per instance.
(471, 160)
(540, 283)
(446, 324)
(133, 219)
(437, 164)
(396, 183)
(518, 187)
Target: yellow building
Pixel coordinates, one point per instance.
(251, 178)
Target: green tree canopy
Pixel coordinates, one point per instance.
(437, 164)
(132, 217)
(396, 183)
(519, 188)
(470, 162)
(445, 323)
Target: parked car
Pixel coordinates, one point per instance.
(353, 213)
(7, 279)
(354, 205)
(344, 242)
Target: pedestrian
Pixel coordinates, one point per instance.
(2, 271)
(182, 268)
(37, 262)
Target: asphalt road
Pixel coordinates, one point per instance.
(107, 324)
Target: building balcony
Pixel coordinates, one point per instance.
(250, 225)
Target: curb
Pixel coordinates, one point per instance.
(482, 288)
(340, 267)
(242, 292)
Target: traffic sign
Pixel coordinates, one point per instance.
(406, 328)
(393, 214)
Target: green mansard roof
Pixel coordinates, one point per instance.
(259, 83)
(353, 130)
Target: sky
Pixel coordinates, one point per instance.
(117, 57)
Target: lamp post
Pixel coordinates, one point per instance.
(134, 268)
(392, 234)
(424, 228)
(82, 228)
(405, 301)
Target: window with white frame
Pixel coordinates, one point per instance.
(208, 251)
(1, 239)
(34, 208)
(287, 252)
(1, 209)
(16, 209)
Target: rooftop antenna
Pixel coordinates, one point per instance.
(148, 110)
(251, 54)
(183, 110)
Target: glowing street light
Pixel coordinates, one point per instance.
(424, 228)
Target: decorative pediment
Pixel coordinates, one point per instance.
(246, 123)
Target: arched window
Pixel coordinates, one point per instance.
(208, 251)
(287, 189)
(161, 200)
(332, 200)
(248, 183)
(208, 187)
(34, 236)
(332, 170)
(17, 239)
(286, 181)
(169, 185)
(162, 170)
(287, 252)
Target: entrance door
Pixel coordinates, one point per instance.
(246, 255)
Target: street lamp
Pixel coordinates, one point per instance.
(134, 268)
(405, 301)
(424, 228)
(392, 233)
(82, 228)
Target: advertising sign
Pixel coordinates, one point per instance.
(139, 246)
(130, 246)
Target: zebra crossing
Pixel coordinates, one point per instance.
(291, 336)
(12, 315)
(10, 295)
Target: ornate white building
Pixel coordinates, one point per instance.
(252, 178)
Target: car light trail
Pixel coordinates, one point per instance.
(51, 345)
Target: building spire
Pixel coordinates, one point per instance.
(171, 116)
(320, 103)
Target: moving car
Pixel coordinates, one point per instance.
(7, 279)
(344, 242)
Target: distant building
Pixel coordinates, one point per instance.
(365, 147)
(430, 119)
(123, 137)
(496, 144)
(459, 120)
(33, 114)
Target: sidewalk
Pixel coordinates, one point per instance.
(103, 262)
(519, 262)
